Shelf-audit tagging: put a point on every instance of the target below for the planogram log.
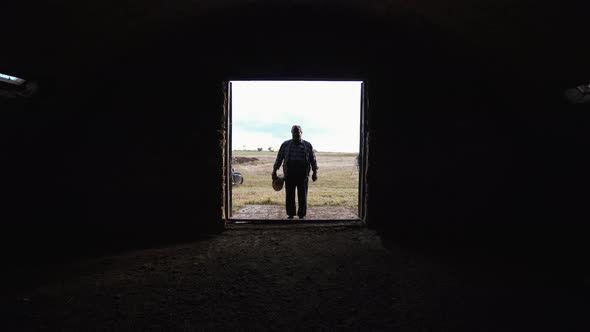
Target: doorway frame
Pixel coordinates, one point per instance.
(362, 162)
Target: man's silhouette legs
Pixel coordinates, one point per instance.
(290, 197)
(291, 184)
(302, 197)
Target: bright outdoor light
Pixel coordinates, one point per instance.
(328, 112)
(11, 79)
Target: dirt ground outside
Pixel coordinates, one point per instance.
(278, 212)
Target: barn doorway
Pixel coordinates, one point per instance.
(260, 116)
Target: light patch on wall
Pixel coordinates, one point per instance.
(11, 79)
(579, 94)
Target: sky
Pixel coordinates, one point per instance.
(263, 113)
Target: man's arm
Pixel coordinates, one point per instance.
(278, 161)
(313, 163)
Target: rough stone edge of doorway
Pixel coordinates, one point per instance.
(274, 224)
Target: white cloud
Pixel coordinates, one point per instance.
(335, 143)
(251, 140)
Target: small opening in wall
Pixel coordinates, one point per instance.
(261, 117)
(11, 79)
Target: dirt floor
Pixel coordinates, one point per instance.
(277, 212)
(291, 277)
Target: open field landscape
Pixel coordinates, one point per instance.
(337, 183)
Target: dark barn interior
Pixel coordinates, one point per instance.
(475, 160)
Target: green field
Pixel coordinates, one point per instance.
(337, 182)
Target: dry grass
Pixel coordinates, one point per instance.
(337, 182)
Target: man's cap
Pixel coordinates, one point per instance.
(277, 184)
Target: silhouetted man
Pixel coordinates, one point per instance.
(298, 159)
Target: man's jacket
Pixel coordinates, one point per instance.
(283, 157)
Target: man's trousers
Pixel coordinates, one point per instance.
(299, 183)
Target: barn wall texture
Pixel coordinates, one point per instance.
(470, 141)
